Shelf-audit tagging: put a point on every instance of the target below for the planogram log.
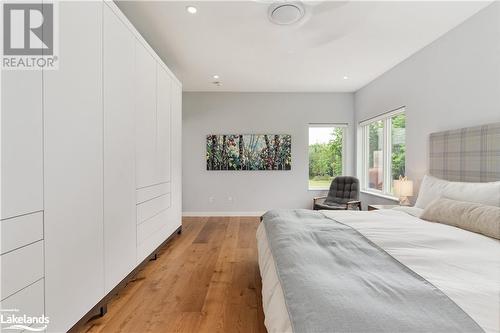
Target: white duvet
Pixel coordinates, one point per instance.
(462, 264)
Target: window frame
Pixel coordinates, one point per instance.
(363, 155)
(344, 127)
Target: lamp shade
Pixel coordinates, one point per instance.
(403, 187)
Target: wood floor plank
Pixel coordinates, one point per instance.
(240, 319)
(224, 266)
(193, 298)
(212, 231)
(246, 234)
(187, 322)
(205, 280)
(212, 319)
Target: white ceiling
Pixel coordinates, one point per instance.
(234, 39)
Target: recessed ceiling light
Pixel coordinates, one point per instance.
(191, 9)
(216, 77)
(286, 13)
(346, 77)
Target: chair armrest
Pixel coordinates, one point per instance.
(317, 198)
(315, 201)
(354, 203)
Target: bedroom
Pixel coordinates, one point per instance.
(161, 163)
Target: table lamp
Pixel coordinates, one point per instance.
(403, 188)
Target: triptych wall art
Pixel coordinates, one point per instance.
(249, 152)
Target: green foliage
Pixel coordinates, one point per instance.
(374, 140)
(398, 148)
(325, 159)
(398, 143)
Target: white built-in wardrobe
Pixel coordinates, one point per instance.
(91, 166)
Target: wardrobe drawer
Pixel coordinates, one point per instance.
(29, 302)
(21, 268)
(151, 226)
(148, 209)
(151, 192)
(21, 231)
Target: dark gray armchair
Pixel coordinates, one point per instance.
(343, 195)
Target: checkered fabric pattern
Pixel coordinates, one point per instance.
(467, 155)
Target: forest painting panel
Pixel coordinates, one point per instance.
(249, 152)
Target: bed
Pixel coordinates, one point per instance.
(386, 270)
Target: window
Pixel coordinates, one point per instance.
(383, 149)
(398, 147)
(376, 155)
(326, 151)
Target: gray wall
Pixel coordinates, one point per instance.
(452, 83)
(255, 191)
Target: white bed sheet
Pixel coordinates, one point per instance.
(463, 265)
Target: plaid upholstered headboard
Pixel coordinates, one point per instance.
(469, 154)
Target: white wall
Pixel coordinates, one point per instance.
(246, 113)
(452, 83)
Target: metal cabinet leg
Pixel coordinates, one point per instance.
(103, 310)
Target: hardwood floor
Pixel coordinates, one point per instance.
(205, 280)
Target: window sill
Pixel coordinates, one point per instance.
(380, 195)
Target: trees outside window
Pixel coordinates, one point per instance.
(376, 155)
(326, 150)
(398, 147)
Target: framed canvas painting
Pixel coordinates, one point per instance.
(249, 152)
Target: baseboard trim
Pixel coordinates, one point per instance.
(100, 308)
(205, 214)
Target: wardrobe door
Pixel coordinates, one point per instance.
(119, 150)
(73, 116)
(145, 116)
(163, 142)
(175, 219)
(22, 144)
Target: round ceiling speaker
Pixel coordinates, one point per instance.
(285, 13)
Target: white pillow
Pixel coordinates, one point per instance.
(433, 188)
(469, 216)
(414, 211)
